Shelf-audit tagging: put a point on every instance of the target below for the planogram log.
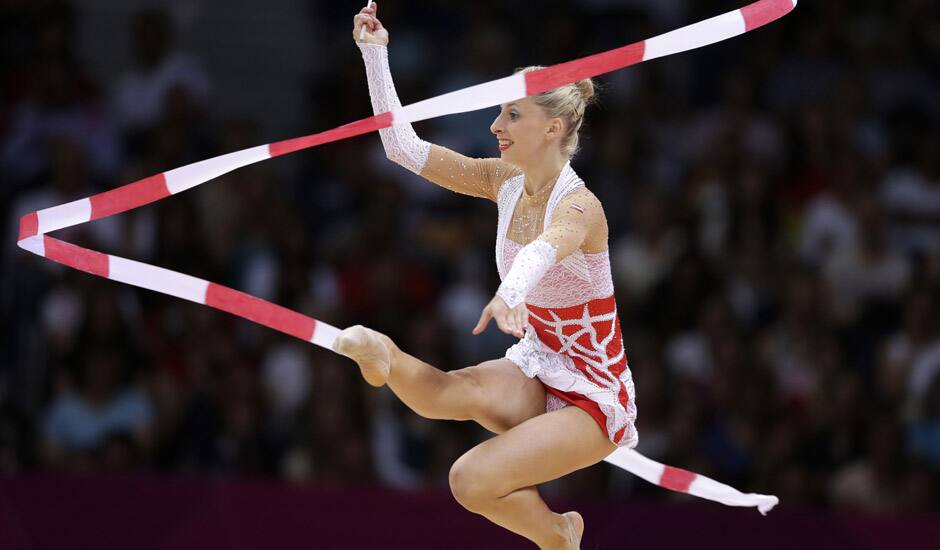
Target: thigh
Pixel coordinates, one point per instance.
(502, 396)
(536, 451)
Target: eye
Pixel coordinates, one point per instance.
(513, 114)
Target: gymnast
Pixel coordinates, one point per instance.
(562, 398)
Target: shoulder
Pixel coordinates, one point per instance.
(501, 172)
(65, 408)
(132, 403)
(581, 207)
(581, 202)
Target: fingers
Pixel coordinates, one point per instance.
(371, 15)
(520, 317)
(505, 323)
(359, 24)
(509, 326)
(512, 322)
(363, 24)
(367, 20)
(484, 320)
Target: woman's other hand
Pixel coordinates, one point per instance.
(510, 320)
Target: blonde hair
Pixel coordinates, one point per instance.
(568, 103)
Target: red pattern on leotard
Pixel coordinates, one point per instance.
(590, 335)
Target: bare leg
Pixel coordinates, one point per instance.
(523, 508)
(497, 478)
(496, 394)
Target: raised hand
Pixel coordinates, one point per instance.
(374, 33)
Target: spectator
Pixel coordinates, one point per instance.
(80, 422)
(868, 272)
(142, 95)
(912, 197)
(923, 439)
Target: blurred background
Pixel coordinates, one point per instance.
(774, 206)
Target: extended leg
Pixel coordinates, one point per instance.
(495, 394)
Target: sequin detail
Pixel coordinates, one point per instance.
(573, 344)
(529, 266)
(469, 176)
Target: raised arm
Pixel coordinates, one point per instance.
(451, 170)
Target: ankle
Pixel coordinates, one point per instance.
(394, 353)
(560, 536)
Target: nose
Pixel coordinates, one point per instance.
(497, 126)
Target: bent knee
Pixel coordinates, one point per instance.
(470, 484)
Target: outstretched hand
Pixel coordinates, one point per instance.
(509, 320)
(374, 33)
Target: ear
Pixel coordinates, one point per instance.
(556, 128)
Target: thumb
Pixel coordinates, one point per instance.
(484, 320)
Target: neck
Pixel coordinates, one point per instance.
(544, 173)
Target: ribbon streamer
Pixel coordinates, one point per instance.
(35, 225)
(684, 481)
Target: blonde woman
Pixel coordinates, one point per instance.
(562, 398)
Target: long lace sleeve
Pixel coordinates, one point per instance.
(528, 268)
(402, 144)
(446, 168)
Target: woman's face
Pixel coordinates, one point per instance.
(525, 132)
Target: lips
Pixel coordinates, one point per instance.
(504, 144)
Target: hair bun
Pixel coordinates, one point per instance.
(586, 87)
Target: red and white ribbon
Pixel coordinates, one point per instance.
(35, 225)
(684, 481)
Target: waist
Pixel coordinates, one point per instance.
(595, 307)
(586, 328)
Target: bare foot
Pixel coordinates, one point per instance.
(367, 348)
(576, 528)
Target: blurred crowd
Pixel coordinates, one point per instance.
(774, 206)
